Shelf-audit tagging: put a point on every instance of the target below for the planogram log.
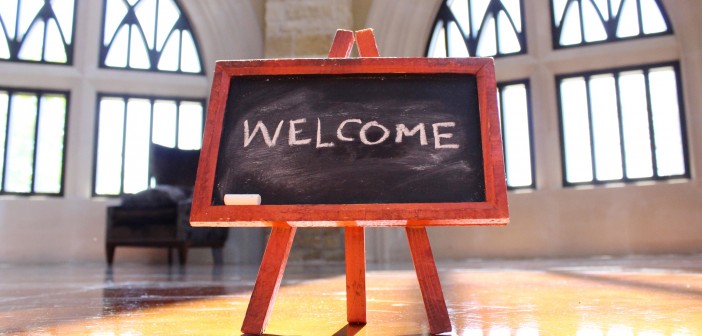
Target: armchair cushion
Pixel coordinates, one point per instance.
(157, 197)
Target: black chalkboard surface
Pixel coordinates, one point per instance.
(351, 139)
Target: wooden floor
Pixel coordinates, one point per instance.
(586, 297)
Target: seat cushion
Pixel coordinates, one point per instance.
(159, 196)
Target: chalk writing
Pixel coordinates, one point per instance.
(295, 128)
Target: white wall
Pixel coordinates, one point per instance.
(550, 221)
(653, 217)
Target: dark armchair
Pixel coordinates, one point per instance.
(160, 216)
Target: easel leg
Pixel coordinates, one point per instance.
(432, 294)
(268, 280)
(355, 275)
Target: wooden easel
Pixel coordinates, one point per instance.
(277, 250)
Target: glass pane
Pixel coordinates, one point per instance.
(517, 144)
(559, 7)
(4, 49)
(602, 8)
(138, 54)
(190, 125)
(615, 5)
(33, 43)
(487, 43)
(20, 143)
(666, 122)
(478, 9)
(50, 141)
(117, 10)
(653, 21)
(576, 130)
(55, 51)
(8, 12)
(28, 11)
(509, 42)
(168, 14)
(437, 48)
(605, 128)
(189, 60)
(63, 9)
(109, 147)
(637, 142)
(570, 26)
(169, 55)
(146, 14)
(117, 55)
(514, 11)
(457, 46)
(628, 20)
(164, 124)
(136, 145)
(594, 27)
(4, 107)
(459, 8)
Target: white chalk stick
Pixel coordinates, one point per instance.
(242, 199)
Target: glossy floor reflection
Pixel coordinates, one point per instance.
(586, 297)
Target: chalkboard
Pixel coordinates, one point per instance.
(351, 140)
(370, 141)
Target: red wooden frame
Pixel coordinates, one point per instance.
(493, 211)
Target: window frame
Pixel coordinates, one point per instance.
(38, 93)
(444, 14)
(609, 25)
(615, 71)
(14, 45)
(103, 50)
(125, 97)
(530, 128)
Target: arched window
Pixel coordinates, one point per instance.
(485, 28)
(478, 28)
(37, 30)
(578, 22)
(148, 35)
(153, 35)
(617, 123)
(32, 120)
(620, 124)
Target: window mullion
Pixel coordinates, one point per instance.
(43, 43)
(593, 160)
(639, 16)
(651, 130)
(177, 125)
(152, 102)
(180, 50)
(582, 23)
(621, 125)
(495, 13)
(10, 98)
(36, 141)
(124, 144)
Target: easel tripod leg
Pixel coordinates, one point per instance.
(268, 280)
(428, 277)
(355, 275)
